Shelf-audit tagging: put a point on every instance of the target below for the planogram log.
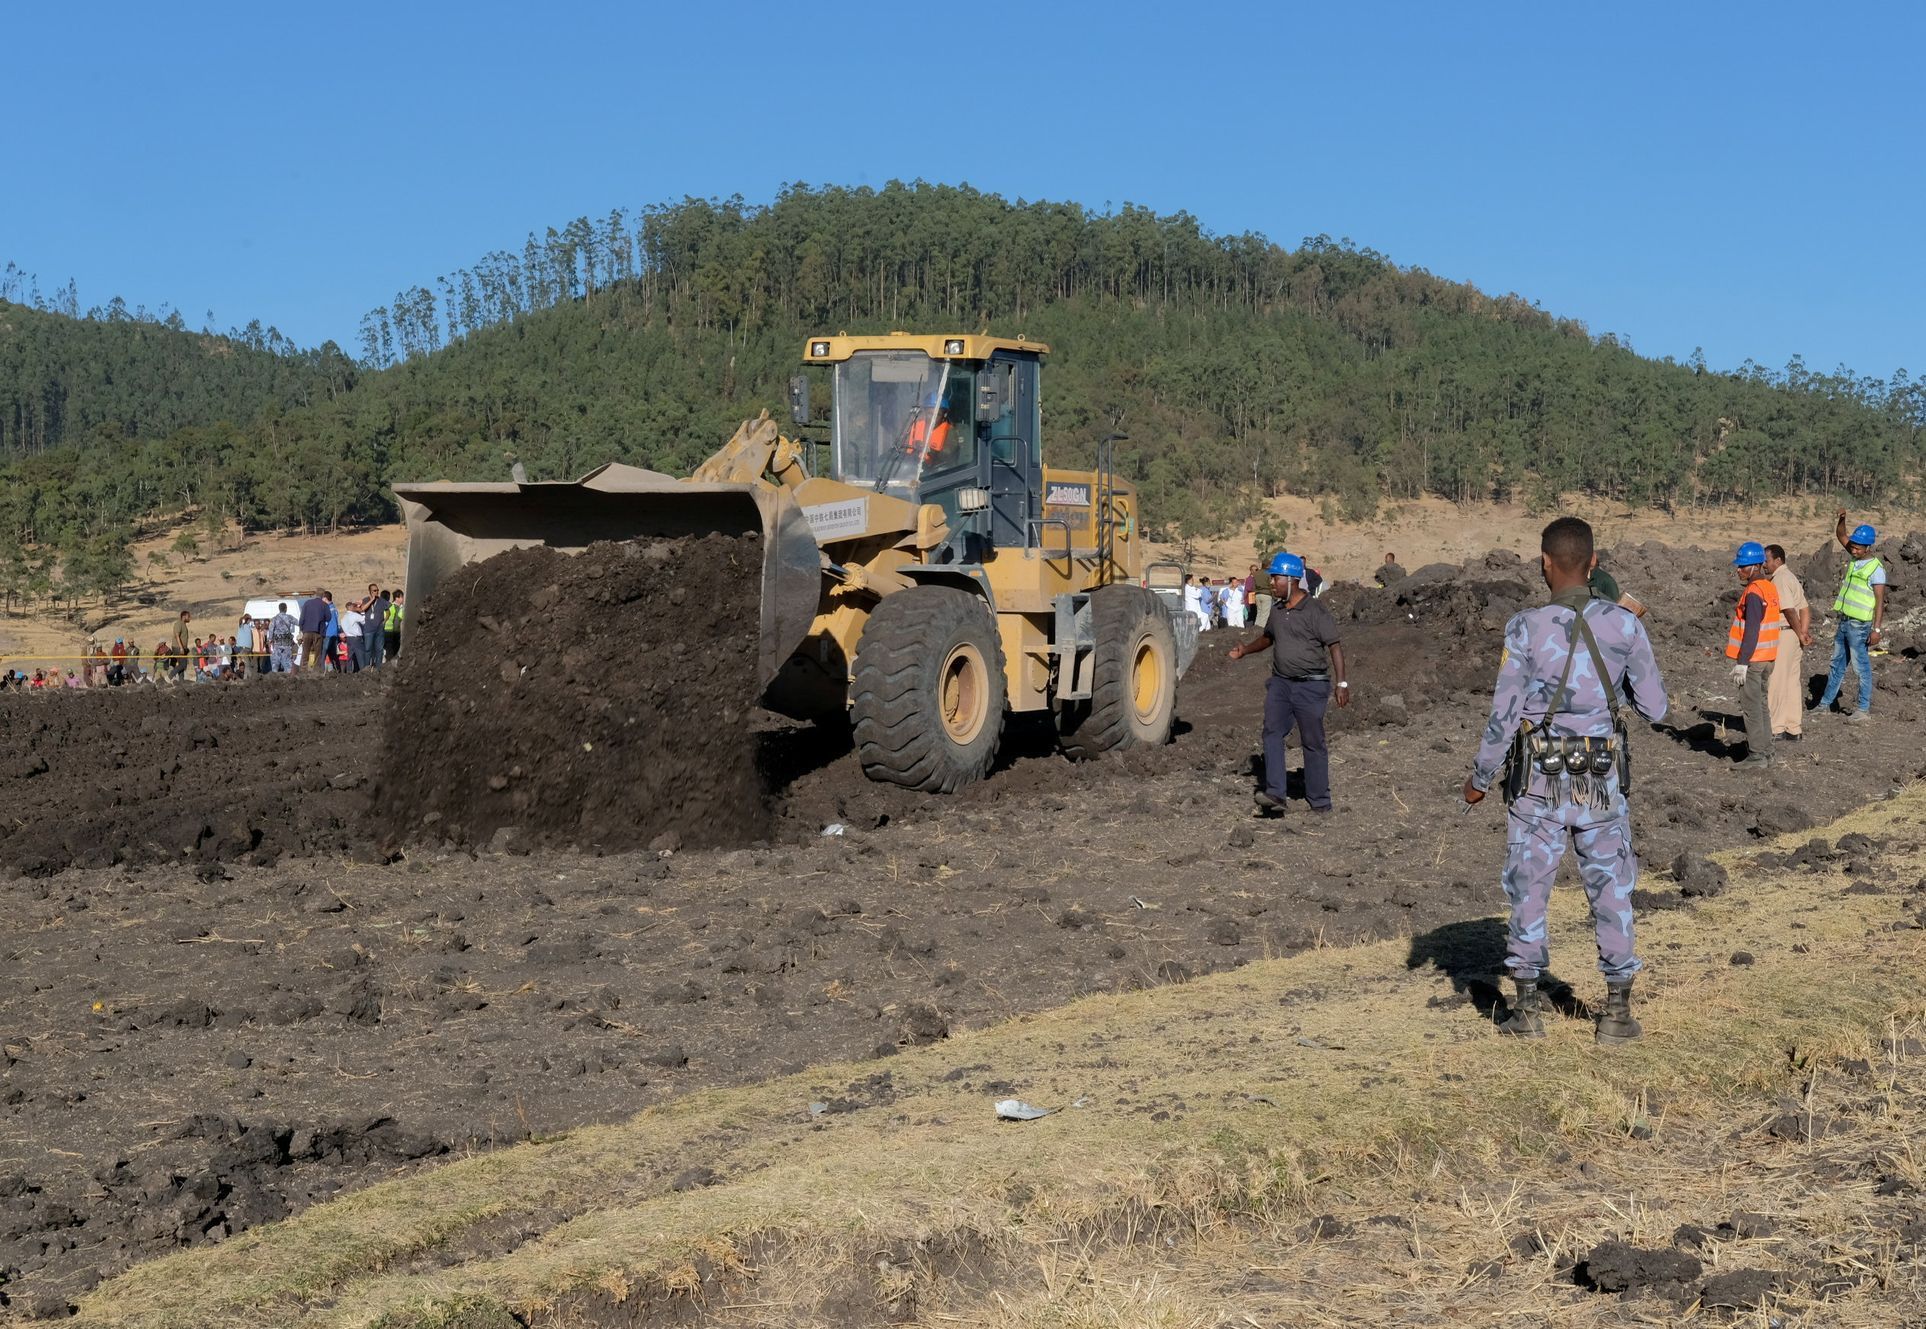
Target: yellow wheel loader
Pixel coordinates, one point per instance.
(924, 573)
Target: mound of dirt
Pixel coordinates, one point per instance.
(601, 700)
(199, 773)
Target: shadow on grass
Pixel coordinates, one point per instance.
(1471, 955)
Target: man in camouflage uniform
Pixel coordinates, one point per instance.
(1548, 678)
(281, 633)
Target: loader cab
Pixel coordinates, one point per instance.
(951, 421)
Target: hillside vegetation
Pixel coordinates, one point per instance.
(1239, 369)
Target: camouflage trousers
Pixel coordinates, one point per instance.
(1536, 831)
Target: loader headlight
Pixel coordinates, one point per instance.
(972, 500)
(818, 349)
(954, 346)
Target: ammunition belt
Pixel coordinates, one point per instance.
(1576, 770)
(1571, 756)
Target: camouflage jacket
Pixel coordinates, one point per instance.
(1534, 660)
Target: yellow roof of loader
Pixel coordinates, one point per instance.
(940, 346)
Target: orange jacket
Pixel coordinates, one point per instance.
(920, 430)
(1767, 648)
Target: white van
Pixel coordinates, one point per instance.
(264, 610)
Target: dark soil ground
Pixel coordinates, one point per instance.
(205, 1031)
(244, 772)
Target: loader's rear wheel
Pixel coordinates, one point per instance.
(1133, 693)
(927, 704)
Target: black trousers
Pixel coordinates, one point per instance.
(1300, 704)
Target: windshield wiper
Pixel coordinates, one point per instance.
(897, 454)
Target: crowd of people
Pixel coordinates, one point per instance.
(305, 634)
(1772, 624)
(1239, 602)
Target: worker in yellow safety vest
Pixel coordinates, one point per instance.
(1861, 610)
(391, 623)
(1752, 644)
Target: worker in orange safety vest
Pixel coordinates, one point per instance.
(1752, 644)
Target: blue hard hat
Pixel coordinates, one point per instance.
(1751, 554)
(1863, 534)
(1286, 565)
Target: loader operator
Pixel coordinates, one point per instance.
(1306, 662)
(1556, 730)
(921, 431)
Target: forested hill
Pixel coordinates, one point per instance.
(124, 374)
(1237, 367)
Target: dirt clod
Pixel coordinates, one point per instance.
(1741, 1289)
(1697, 875)
(694, 1179)
(1617, 1266)
(1749, 1226)
(1325, 1227)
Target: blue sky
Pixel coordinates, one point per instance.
(1750, 179)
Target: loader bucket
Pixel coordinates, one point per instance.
(451, 524)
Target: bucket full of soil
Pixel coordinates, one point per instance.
(600, 700)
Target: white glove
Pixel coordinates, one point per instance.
(1738, 674)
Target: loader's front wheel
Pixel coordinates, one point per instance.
(1133, 692)
(927, 704)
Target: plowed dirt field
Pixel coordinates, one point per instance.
(230, 995)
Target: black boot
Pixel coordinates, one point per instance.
(1526, 1019)
(1616, 1025)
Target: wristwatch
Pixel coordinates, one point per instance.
(1345, 686)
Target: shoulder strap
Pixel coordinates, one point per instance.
(1576, 600)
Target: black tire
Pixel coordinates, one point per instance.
(928, 701)
(1133, 693)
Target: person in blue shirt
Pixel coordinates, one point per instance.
(314, 630)
(332, 632)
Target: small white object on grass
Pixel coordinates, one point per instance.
(1015, 1109)
(834, 828)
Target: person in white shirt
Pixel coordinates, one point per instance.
(352, 621)
(1194, 602)
(1232, 603)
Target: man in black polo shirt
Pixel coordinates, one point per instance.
(1306, 662)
